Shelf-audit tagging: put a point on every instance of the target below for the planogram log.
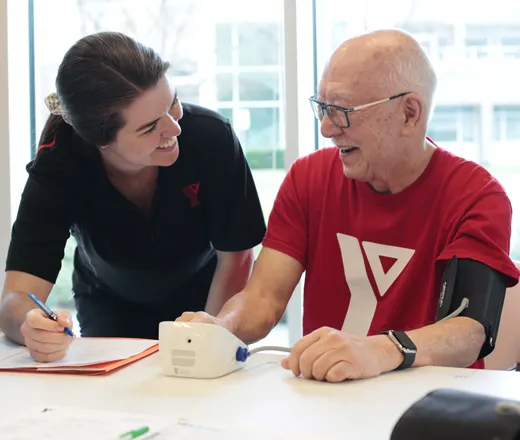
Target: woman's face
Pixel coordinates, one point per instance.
(149, 137)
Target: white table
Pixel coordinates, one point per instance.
(261, 395)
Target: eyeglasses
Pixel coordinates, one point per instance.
(339, 115)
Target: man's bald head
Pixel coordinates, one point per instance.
(383, 140)
(385, 62)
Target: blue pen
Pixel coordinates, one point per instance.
(50, 314)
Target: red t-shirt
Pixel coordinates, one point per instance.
(374, 261)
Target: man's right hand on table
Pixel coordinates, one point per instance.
(45, 338)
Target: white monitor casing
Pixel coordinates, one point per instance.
(198, 350)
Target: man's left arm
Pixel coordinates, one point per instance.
(455, 342)
(231, 275)
(334, 356)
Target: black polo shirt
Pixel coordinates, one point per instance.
(132, 271)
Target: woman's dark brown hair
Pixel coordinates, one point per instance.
(99, 77)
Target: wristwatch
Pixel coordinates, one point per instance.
(405, 345)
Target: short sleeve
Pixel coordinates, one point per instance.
(229, 197)
(42, 225)
(287, 230)
(484, 234)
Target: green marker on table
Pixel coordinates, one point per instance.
(134, 433)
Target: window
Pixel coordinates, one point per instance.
(339, 30)
(507, 123)
(454, 124)
(259, 86)
(227, 113)
(511, 46)
(236, 71)
(477, 47)
(249, 92)
(264, 130)
(259, 44)
(224, 46)
(443, 127)
(224, 87)
(189, 92)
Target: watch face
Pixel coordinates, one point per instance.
(402, 341)
(405, 345)
(405, 341)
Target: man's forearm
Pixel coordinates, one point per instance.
(231, 275)
(252, 313)
(249, 316)
(455, 342)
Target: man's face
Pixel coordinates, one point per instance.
(369, 145)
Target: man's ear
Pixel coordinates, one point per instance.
(414, 112)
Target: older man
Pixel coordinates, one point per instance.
(405, 246)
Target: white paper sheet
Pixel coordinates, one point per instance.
(77, 424)
(82, 351)
(188, 431)
(57, 423)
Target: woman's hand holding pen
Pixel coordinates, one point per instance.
(45, 338)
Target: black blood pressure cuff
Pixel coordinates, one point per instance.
(481, 288)
(453, 414)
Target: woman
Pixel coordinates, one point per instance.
(158, 196)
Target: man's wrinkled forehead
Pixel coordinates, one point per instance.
(341, 89)
(334, 94)
(347, 79)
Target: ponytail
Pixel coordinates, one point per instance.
(53, 125)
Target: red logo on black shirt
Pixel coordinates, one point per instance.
(192, 192)
(51, 144)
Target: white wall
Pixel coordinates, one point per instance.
(19, 97)
(5, 187)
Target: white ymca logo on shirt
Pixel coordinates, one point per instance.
(363, 301)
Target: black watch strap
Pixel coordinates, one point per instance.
(405, 345)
